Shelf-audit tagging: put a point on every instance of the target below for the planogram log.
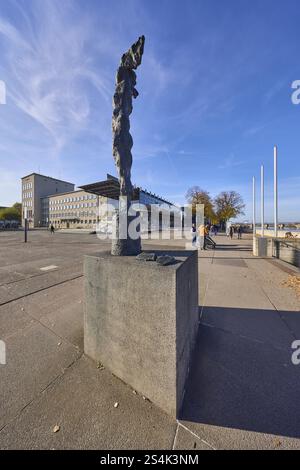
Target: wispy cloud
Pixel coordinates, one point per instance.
(274, 89)
(230, 162)
(251, 131)
(48, 68)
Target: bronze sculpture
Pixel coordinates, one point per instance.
(122, 141)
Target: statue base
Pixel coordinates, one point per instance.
(122, 246)
(141, 321)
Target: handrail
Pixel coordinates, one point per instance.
(287, 244)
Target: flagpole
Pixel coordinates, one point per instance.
(275, 193)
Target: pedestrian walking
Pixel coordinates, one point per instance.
(194, 235)
(231, 231)
(201, 231)
(52, 229)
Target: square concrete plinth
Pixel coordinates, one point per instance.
(141, 322)
(261, 246)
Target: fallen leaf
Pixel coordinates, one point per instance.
(116, 405)
(293, 282)
(56, 428)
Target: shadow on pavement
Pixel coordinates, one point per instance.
(233, 248)
(242, 375)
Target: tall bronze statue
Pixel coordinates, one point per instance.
(122, 139)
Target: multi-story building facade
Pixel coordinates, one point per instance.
(48, 201)
(71, 210)
(34, 188)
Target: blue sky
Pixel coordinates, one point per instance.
(215, 94)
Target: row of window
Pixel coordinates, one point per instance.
(72, 199)
(74, 206)
(81, 222)
(27, 203)
(29, 214)
(27, 186)
(73, 214)
(27, 195)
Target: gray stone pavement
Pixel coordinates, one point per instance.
(243, 389)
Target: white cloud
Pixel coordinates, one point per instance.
(48, 67)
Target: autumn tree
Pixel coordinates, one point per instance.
(228, 205)
(196, 195)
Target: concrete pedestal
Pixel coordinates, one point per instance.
(260, 246)
(141, 322)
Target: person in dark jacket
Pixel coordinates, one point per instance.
(194, 235)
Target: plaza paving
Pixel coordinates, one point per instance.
(243, 389)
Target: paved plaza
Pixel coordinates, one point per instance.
(243, 389)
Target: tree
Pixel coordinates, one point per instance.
(18, 207)
(228, 205)
(10, 213)
(196, 195)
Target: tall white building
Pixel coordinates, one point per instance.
(34, 188)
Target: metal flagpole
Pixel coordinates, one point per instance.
(262, 200)
(275, 194)
(254, 206)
